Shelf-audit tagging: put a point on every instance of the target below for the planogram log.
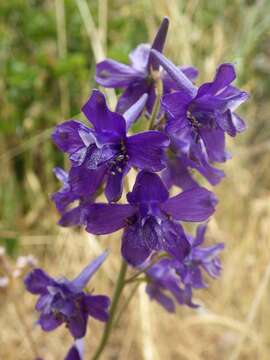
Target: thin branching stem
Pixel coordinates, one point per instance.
(115, 301)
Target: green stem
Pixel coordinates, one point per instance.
(129, 298)
(116, 296)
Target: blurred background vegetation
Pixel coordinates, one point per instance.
(48, 51)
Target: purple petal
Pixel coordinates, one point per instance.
(162, 299)
(191, 205)
(146, 150)
(158, 43)
(212, 174)
(134, 248)
(214, 140)
(107, 218)
(200, 233)
(132, 114)
(139, 58)
(97, 306)
(114, 186)
(190, 71)
(179, 77)
(37, 280)
(112, 74)
(77, 324)
(74, 217)
(103, 120)
(132, 94)
(61, 174)
(225, 122)
(86, 274)
(176, 105)
(151, 233)
(67, 138)
(85, 182)
(49, 322)
(169, 84)
(177, 174)
(238, 123)
(175, 240)
(148, 188)
(225, 74)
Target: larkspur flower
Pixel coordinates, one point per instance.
(63, 301)
(150, 218)
(198, 259)
(105, 151)
(178, 277)
(137, 78)
(203, 115)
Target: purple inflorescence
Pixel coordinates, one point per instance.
(183, 128)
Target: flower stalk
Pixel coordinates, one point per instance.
(115, 301)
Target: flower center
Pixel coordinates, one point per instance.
(195, 124)
(118, 162)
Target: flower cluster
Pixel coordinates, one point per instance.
(186, 130)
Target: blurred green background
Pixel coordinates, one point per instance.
(48, 51)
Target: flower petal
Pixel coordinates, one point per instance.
(148, 187)
(74, 217)
(132, 94)
(86, 274)
(175, 240)
(49, 322)
(112, 74)
(67, 138)
(146, 150)
(85, 182)
(107, 218)
(158, 43)
(132, 114)
(177, 75)
(114, 186)
(191, 205)
(134, 248)
(37, 280)
(164, 300)
(97, 306)
(77, 324)
(139, 58)
(214, 140)
(239, 123)
(225, 122)
(103, 120)
(176, 105)
(200, 233)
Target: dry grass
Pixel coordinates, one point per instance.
(232, 322)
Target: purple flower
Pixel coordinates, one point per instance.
(150, 218)
(198, 259)
(177, 277)
(105, 151)
(137, 78)
(76, 351)
(64, 301)
(203, 115)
